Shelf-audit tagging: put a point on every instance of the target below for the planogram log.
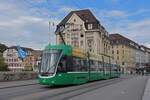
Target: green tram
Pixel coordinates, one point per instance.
(60, 67)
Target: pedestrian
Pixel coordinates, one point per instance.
(142, 73)
(131, 72)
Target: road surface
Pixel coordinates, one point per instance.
(125, 88)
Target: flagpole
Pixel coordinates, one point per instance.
(49, 33)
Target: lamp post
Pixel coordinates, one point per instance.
(103, 66)
(89, 65)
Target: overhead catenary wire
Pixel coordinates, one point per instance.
(49, 16)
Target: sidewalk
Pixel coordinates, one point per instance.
(11, 84)
(146, 95)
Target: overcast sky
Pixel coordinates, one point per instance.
(25, 22)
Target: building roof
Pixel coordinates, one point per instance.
(116, 37)
(145, 48)
(23, 48)
(86, 15)
(120, 37)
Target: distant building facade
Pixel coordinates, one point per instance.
(146, 55)
(29, 62)
(15, 63)
(124, 52)
(140, 57)
(83, 30)
(13, 60)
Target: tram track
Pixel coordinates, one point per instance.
(10, 93)
(48, 92)
(99, 86)
(38, 92)
(89, 90)
(18, 86)
(86, 88)
(81, 90)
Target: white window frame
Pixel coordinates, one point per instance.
(90, 26)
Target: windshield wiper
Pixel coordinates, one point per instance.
(44, 74)
(50, 68)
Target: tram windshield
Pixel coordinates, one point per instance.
(49, 61)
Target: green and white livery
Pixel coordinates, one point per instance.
(60, 66)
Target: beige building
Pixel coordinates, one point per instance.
(29, 62)
(124, 52)
(83, 30)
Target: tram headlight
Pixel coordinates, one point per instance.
(53, 81)
(44, 81)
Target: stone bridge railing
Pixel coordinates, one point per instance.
(13, 76)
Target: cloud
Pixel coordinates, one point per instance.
(66, 9)
(22, 26)
(26, 22)
(112, 14)
(142, 11)
(147, 45)
(127, 24)
(27, 30)
(5, 7)
(115, 14)
(35, 2)
(139, 31)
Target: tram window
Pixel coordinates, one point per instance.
(96, 62)
(91, 62)
(106, 67)
(92, 69)
(116, 70)
(82, 63)
(97, 66)
(59, 68)
(93, 65)
(79, 64)
(62, 65)
(69, 67)
(85, 62)
(101, 69)
(76, 61)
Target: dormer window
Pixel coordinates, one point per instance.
(90, 26)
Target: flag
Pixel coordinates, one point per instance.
(22, 53)
(53, 24)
